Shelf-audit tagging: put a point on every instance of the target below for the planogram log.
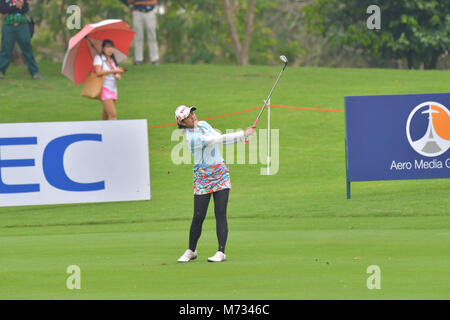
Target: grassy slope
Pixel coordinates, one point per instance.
(279, 225)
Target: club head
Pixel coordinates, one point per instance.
(284, 59)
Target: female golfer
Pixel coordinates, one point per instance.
(106, 64)
(211, 176)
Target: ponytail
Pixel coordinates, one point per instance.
(115, 61)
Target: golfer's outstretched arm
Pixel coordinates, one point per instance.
(228, 138)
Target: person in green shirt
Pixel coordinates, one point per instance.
(15, 28)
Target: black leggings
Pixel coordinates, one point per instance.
(220, 209)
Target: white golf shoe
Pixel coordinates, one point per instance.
(218, 257)
(188, 256)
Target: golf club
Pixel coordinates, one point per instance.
(285, 60)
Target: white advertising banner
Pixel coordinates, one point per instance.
(74, 162)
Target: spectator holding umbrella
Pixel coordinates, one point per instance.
(106, 64)
(144, 19)
(15, 28)
(93, 58)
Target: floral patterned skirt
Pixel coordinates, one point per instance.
(211, 179)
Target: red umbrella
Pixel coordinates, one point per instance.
(87, 43)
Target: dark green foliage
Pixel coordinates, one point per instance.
(416, 31)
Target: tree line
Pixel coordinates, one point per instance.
(413, 33)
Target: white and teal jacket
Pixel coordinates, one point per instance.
(204, 144)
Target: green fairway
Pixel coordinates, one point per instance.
(293, 235)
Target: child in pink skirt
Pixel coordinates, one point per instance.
(105, 64)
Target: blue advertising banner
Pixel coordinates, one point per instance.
(396, 137)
